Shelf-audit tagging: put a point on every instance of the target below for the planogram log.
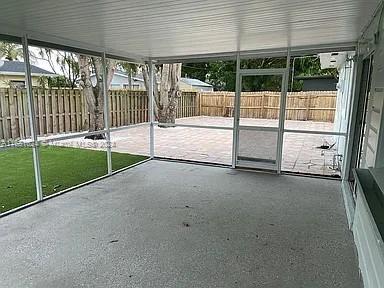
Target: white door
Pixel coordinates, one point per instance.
(260, 113)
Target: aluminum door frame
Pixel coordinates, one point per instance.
(240, 73)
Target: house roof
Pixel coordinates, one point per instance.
(18, 68)
(188, 81)
(123, 74)
(195, 82)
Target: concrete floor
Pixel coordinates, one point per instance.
(164, 224)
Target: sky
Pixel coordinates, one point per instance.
(43, 63)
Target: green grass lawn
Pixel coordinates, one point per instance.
(61, 168)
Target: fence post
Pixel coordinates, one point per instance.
(20, 96)
(308, 104)
(262, 106)
(13, 113)
(32, 119)
(223, 103)
(4, 121)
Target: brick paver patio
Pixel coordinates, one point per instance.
(300, 152)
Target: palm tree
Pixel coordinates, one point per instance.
(11, 51)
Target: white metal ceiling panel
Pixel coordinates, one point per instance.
(164, 28)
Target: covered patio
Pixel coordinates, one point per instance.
(156, 221)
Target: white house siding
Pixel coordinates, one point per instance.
(373, 150)
(120, 81)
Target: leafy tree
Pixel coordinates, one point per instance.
(307, 66)
(262, 82)
(14, 52)
(195, 70)
(11, 51)
(222, 74)
(59, 81)
(62, 63)
(310, 66)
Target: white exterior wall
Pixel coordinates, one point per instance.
(373, 149)
(368, 240)
(368, 243)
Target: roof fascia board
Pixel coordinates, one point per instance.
(262, 53)
(10, 38)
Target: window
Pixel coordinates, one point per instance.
(17, 84)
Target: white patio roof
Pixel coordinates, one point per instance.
(171, 28)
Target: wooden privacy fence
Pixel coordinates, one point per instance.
(131, 107)
(188, 105)
(311, 105)
(65, 110)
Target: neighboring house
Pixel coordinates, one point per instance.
(12, 74)
(120, 80)
(318, 83)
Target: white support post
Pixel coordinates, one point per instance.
(283, 102)
(151, 107)
(32, 119)
(106, 113)
(236, 116)
(350, 138)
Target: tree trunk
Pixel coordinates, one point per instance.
(94, 94)
(145, 71)
(130, 80)
(166, 96)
